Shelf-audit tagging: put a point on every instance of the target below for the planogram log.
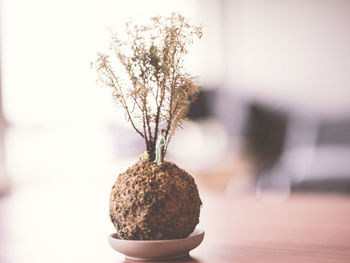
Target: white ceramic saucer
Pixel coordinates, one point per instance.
(149, 250)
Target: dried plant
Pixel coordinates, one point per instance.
(146, 72)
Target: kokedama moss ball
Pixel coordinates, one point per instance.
(149, 201)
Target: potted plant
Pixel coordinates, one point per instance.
(154, 199)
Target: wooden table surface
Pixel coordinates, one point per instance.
(60, 222)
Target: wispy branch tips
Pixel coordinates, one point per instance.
(147, 75)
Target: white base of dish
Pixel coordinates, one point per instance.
(154, 250)
(158, 259)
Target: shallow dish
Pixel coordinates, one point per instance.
(148, 250)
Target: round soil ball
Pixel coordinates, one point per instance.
(152, 202)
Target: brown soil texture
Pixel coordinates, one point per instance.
(152, 202)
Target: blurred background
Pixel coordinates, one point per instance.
(273, 109)
(273, 115)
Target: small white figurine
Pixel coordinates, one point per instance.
(159, 147)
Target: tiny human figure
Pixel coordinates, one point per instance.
(159, 147)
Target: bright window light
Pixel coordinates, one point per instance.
(47, 47)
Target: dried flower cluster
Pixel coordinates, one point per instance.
(146, 72)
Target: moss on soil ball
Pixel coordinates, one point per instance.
(150, 202)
